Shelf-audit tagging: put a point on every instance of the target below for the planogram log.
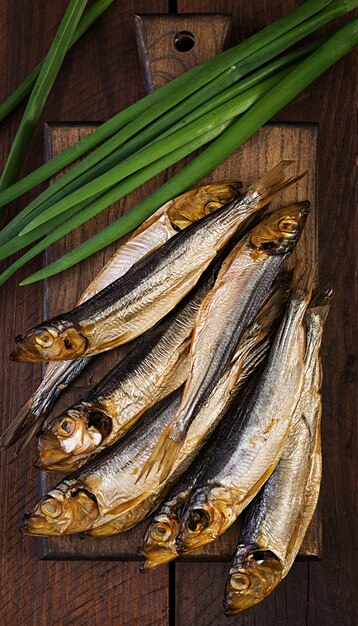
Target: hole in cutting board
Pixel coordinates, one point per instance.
(184, 41)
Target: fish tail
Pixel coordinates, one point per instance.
(26, 438)
(321, 297)
(28, 420)
(164, 454)
(320, 303)
(273, 307)
(274, 181)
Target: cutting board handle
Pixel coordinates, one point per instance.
(169, 45)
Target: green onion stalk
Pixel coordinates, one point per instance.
(84, 212)
(84, 172)
(337, 46)
(41, 90)
(16, 97)
(158, 102)
(83, 216)
(171, 142)
(221, 114)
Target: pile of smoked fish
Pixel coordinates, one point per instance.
(216, 407)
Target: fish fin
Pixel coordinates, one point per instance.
(321, 297)
(129, 504)
(274, 181)
(164, 453)
(274, 305)
(26, 420)
(302, 281)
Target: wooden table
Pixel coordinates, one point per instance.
(93, 84)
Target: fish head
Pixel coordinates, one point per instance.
(278, 232)
(49, 342)
(78, 431)
(159, 543)
(204, 521)
(255, 573)
(197, 203)
(64, 510)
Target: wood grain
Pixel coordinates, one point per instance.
(269, 146)
(158, 37)
(93, 84)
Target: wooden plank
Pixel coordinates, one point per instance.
(200, 589)
(324, 593)
(93, 84)
(269, 146)
(169, 45)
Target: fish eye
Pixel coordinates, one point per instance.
(160, 531)
(44, 339)
(288, 225)
(197, 521)
(239, 581)
(212, 206)
(66, 427)
(268, 245)
(51, 507)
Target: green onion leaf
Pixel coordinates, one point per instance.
(203, 101)
(90, 15)
(42, 87)
(161, 100)
(156, 150)
(340, 44)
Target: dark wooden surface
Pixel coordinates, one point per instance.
(93, 84)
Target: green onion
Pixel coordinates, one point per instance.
(118, 191)
(162, 124)
(221, 114)
(161, 100)
(211, 94)
(340, 44)
(127, 186)
(90, 15)
(18, 243)
(42, 87)
(115, 174)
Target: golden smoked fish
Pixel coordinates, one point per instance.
(249, 454)
(243, 283)
(277, 520)
(154, 368)
(150, 289)
(108, 495)
(159, 542)
(252, 349)
(153, 233)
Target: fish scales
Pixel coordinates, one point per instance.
(249, 454)
(154, 368)
(277, 520)
(151, 287)
(242, 285)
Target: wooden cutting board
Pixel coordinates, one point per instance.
(157, 37)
